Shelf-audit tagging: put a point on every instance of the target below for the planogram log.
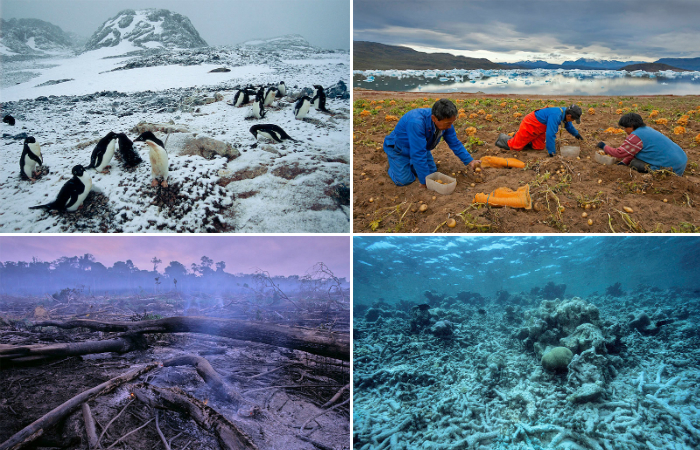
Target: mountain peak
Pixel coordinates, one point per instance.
(146, 28)
(33, 37)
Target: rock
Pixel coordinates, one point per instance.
(589, 392)
(373, 314)
(218, 96)
(339, 90)
(557, 359)
(442, 329)
(584, 337)
(209, 147)
(220, 70)
(269, 149)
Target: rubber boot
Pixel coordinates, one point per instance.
(502, 141)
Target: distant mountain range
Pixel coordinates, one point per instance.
(33, 37)
(371, 55)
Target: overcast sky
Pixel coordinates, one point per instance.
(552, 30)
(324, 23)
(287, 255)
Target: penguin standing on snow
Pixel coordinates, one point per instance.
(319, 98)
(103, 152)
(31, 156)
(302, 106)
(270, 96)
(158, 157)
(259, 104)
(281, 89)
(241, 98)
(126, 149)
(270, 131)
(8, 119)
(72, 194)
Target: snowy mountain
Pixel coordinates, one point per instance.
(33, 37)
(144, 29)
(595, 64)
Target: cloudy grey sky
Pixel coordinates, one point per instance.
(324, 23)
(553, 30)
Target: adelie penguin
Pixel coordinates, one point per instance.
(72, 194)
(158, 157)
(259, 104)
(241, 98)
(103, 152)
(8, 119)
(126, 149)
(319, 98)
(271, 132)
(270, 96)
(302, 106)
(281, 89)
(31, 156)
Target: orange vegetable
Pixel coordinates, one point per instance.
(471, 131)
(679, 130)
(591, 111)
(389, 118)
(365, 113)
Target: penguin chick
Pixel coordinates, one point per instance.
(103, 152)
(302, 106)
(72, 194)
(126, 149)
(31, 157)
(270, 131)
(158, 157)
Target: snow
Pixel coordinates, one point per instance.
(288, 190)
(31, 44)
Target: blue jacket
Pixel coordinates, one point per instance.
(659, 151)
(553, 117)
(412, 136)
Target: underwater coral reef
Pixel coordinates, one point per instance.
(619, 370)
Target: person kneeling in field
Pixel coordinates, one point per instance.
(418, 132)
(645, 148)
(540, 127)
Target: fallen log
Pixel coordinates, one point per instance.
(37, 428)
(317, 342)
(30, 353)
(209, 375)
(230, 437)
(89, 426)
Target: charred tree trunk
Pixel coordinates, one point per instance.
(210, 376)
(25, 354)
(37, 428)
(317, 342)
(175, 399)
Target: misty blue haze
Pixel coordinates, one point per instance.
(402, 268)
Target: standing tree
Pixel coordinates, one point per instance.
(157, 283)
(175, 283)
(155, 262)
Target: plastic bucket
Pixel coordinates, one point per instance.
(447, 186)
(570, 151)
(604, 159)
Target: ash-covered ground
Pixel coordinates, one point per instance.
(68, 104)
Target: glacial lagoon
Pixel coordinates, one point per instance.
(531, 82)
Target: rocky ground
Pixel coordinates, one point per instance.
(562, 190)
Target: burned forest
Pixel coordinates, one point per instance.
(257, 365)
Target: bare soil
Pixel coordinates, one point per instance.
(561, 189)
(292, 393)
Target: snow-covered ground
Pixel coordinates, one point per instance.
(290, 187)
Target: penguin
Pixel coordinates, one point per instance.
(259, 104)
(126, 149)
(302, 106)
(31, 156)
(8, 119)
(270, 96)
(270, 131)
(241, 98)
(158, 157)
(72, 194)
(103, 152)
(319, 98)
(281, 89)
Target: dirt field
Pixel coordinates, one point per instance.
(561, 189)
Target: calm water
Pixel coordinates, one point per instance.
(548, 83)
(397, 268)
